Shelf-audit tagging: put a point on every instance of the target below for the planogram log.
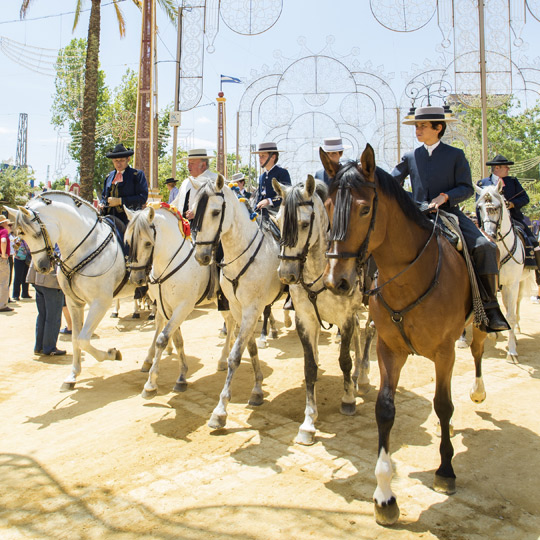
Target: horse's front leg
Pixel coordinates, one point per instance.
(177, 318)
(77, 317)
(390, 364)
(181, 382)
(230, 325)
(147, 364)
(257, 396)
(445, 478)
(510, 299)
(247, 327)
(348, 401)
(116, 308)
(308, 329)
(478, 391)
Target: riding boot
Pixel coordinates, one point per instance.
(488, 292)
(222, 302)
(537, 269)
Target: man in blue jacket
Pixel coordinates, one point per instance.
(516, 198)
(266, 199)
(441, 177)
(124, 186)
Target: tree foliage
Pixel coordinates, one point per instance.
(14, 185)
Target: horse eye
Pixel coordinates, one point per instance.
(364, 211)
(305, 225)
(215, 213)
(147, 244)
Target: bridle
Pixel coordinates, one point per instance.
(132, 257)
(215, 242)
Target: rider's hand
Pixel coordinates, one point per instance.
(439, 200)
(189, 214)
(263, 203)
(114, 201)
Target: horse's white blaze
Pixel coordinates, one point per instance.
(383, 473)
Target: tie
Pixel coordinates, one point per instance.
(118, 178)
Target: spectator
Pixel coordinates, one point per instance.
(22, 261)
(4, 265)
(173, 190)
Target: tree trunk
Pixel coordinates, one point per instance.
(88, 142)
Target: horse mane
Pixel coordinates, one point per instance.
(78, 201)
(289, 233)
(349, 177)
(139, 225)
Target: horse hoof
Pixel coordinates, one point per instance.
(362, 389)
(274, 334)
(387, 513)
(222, 366)
(180, 387)
(462, 344)
(114, 315)
(477, 397)
(67, 386)
(114, 354)
(442, 484)
(512, 358)
(288, 323)
(305, 438)
(145, 368)
(261, 343)
(217, 422)
(136, 316)
(149, 394)
(222, 334)
(348, 409)
(256, 399)
(151, 317)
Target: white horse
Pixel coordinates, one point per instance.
(92, 264)
(513, 276)
(249, 276)
(161, 255)
(304, 228)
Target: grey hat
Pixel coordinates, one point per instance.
(237, 177)
(334, 144)
(428, 114)
(267, 147)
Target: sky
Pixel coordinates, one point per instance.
(49, 24)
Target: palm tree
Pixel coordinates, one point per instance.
(91, 76)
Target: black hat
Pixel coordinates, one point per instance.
(170, 181)
(499, 160)
(119, 151)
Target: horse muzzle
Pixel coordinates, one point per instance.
(138, 277)
(339, 281)
(288, 274)
(203, 255)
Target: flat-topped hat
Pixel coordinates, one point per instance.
(170, 181)
(334, 144)
(119, 151)
(499, 160)
(428, 114)
(238, 177)
(197, 153)
(267, 147)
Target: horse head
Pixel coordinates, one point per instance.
(351, 207)
(208, 223)
(140, 236)
(303, 223)
(491, 208)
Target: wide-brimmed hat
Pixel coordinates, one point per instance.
(237, 177)
(499, 160)
(119, 151)
(170, 181)
(5, 221)
(429, 114)
(334, 144)
(197, 153)
(267, 147)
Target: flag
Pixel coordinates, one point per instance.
(228, 78)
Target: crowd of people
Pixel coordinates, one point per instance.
(440, 177)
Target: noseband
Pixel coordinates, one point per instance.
(215, 242)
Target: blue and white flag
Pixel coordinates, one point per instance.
(228, 78)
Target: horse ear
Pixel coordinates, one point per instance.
(24, 211)
(129, 213)
(12, 214)
(478, 189)
(500, 185)
(330, 167)
(220, 182)
(368, 163)
(278, 188)
(151, 214)
(310, 186)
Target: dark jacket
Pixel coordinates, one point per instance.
(513, 192)
(445, 171)
(133, 191)
(266, 190)
(321, 174)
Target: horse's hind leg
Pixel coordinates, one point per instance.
(390, 365)
(510, 298)
(77, 318)
(257, 396)
(361, 364)
(445, 478)
(478, 391)
(348, 402)
(262, 342)
(229, 338)
(273, 329)
(308, 331)
(181, 382)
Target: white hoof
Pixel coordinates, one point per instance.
(462, 344)
(262, 343)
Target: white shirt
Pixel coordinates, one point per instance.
(431, 147)
(188, 187)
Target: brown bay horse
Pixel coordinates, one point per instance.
(421, 305)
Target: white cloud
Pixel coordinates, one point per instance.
(203, 120)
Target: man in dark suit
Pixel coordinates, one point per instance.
(516, 198)
(441, 177)
(124, 186)
(334, 149)
(266, 199)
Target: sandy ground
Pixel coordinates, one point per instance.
(102, 462)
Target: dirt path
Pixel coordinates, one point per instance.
(101, 462)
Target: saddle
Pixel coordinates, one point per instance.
(530, 260)
(447, 225)
(268, 223)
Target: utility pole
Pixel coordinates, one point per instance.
(22, 140)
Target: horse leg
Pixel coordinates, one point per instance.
(136, 308)
(153, 309)
(257, 396)
(445, 478)
(116, 308)
(287, 321)
(461, 343)
(219, 415)
(390, 364)
(510, 299)
(229, 338)
(273, 329)
(77, 317)
(147, 364)
(177, 318)
(262, 342)
(478, 391)
(181, 382)
(361, 365)
(308, 331)
(348, 401)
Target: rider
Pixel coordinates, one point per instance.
(266, 199)
(124, 186)
(440, 176)
(516, 198)
(334, 149)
